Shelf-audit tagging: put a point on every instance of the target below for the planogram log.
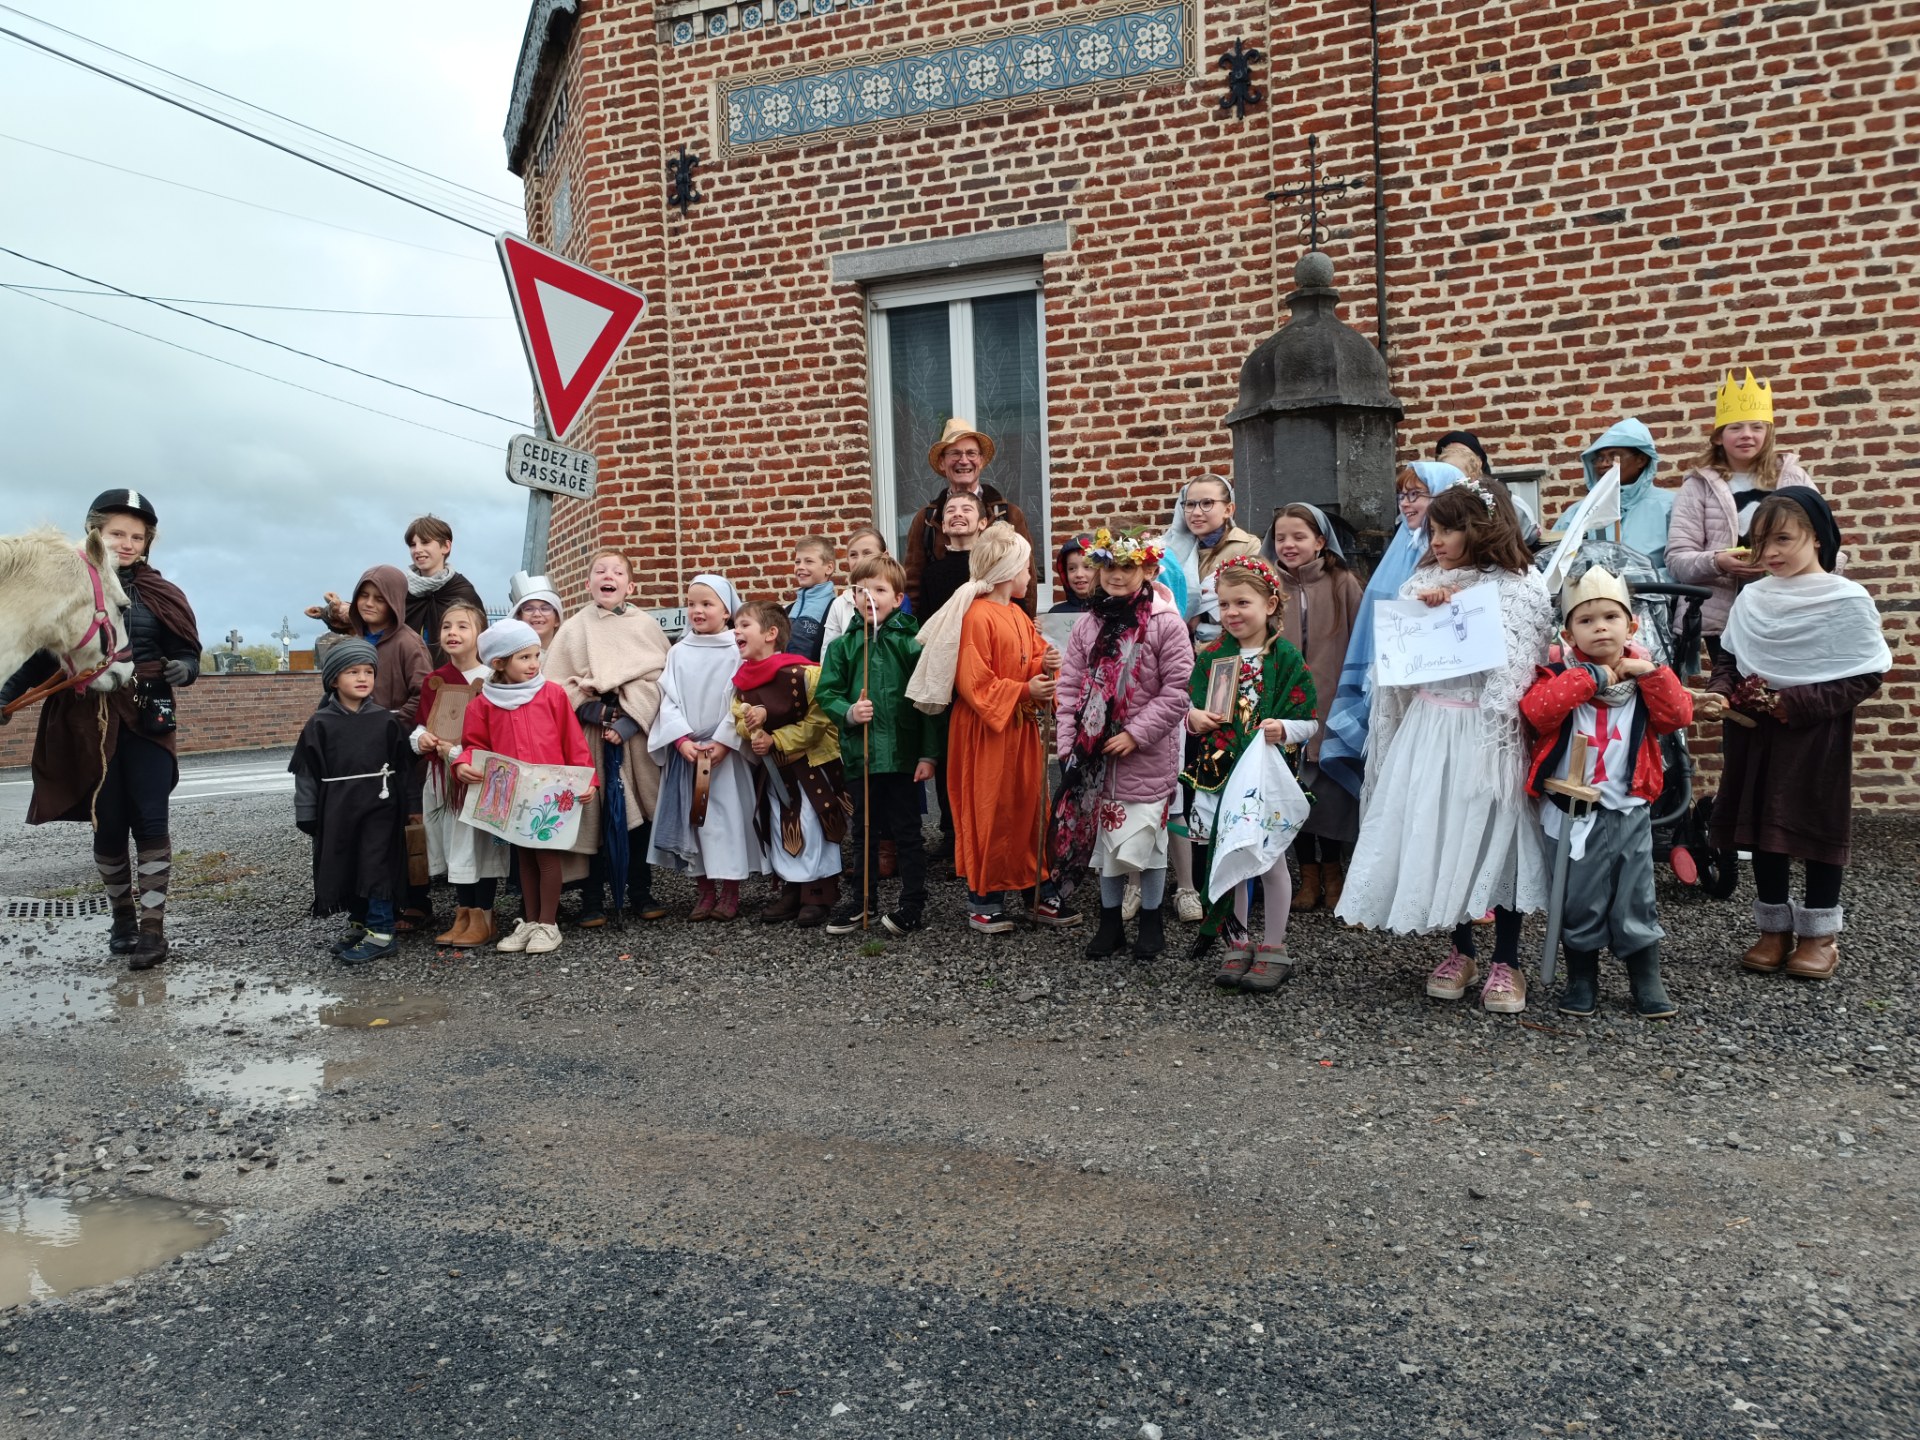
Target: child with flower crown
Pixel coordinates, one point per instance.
(1120, 701)
(1273, 700)
(1445, 829)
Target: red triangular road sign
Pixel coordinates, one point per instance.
(573, 322)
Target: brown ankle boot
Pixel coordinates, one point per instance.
(1817, 954)
(456, 933)
(1332, 881)
(480, 927)
(1767, 954)
(1307, 897)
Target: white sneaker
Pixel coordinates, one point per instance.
(518, 939)
(544, 938)
(1130, 901)
(1187, 903)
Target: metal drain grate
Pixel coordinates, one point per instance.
(25, 909)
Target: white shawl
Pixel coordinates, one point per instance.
(1805, 630)
(931, 688)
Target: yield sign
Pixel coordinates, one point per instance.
(573, 321)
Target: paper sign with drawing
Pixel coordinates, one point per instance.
(537, 806)
(1416, 644)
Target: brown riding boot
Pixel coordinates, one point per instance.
(1767, 954)
(1333, 880)
(456, 933)
(1307, 896)
(1817, 954)
(785, 907)
(480, 927)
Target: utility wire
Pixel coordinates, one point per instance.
(249, 370)
(225, 95)
(240, 129)
(245, 305)
(236, 330)
(236, 200)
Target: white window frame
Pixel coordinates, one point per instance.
(956, 290)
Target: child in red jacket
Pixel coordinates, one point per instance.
(1608, 691)
(526, 718)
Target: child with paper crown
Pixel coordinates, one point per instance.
(1445, 830)
(1803, 648)
(1740, 467)
(1604, 688)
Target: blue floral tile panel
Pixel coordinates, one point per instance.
(1105, 47)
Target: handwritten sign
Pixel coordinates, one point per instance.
(1415, 644)
(536, 806)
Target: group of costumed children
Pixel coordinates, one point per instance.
(764, 737)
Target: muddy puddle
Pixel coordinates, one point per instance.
(51, 1247)
(216, 1020)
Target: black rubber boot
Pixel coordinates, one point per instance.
(1582, 993)
(149, 946)
(1650, 1000)
(1109, 937)
(1150, 934)
(126, 929)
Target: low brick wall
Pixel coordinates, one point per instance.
(221, 712)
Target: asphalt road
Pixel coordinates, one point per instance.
(203, 778)
(714, 1181)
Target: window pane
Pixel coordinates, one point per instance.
(921, 386)
(1006, 380)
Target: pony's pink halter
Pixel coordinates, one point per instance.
(71, 677)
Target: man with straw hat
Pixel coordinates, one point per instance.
(958, 456)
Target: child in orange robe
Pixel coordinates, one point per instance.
(981, 654)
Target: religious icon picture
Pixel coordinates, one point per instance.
(1223, 679)
(495, 806)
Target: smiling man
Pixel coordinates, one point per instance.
(959, 456)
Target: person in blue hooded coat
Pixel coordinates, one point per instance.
(1644, 507)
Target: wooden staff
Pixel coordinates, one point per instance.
(1040, 719)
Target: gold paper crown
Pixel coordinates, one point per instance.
(1596, 582)
(1742, 400)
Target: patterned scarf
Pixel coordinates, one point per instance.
(1074, 826)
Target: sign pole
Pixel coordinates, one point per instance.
(533, 550)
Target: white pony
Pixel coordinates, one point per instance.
(64, 599)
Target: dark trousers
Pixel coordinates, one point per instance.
(639, 873)
(896, 817)
(1773, 874)
(133, 797)
(946, 803)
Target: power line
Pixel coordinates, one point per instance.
(236, 330)
(240, 129)
(245, 305)
(249, 370)
(225, 95)
(236, 200)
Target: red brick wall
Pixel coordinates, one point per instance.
(1593, 209)
(219, 712)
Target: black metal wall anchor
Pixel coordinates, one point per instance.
(680, 188)
(1310, 191)
(1241, 91)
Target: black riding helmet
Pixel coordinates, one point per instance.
(125, 502)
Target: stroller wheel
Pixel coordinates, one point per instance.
(1719, 869)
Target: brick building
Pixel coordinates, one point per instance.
(1044, 217)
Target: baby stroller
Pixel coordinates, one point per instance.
(1669, 617)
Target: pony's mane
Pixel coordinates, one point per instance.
(18, 552)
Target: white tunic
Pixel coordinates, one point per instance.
(459, 852)
(696, 693)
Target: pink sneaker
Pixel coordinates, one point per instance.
(1505, 992)
(1452, 976)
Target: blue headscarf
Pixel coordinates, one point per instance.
(1343, 747)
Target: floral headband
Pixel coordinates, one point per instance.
(1128, 547)
(1253, 564)
(1479, 492)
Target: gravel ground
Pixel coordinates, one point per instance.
(725, 1180)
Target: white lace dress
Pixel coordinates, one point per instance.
(1446, 832)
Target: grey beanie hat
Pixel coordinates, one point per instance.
(352, 651)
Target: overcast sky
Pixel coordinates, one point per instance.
(267, 495)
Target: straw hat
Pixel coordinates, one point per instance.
(956, 431)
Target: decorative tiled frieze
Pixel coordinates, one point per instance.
(682, 22)
(1120, 45)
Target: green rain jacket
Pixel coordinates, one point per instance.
(899, 735)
